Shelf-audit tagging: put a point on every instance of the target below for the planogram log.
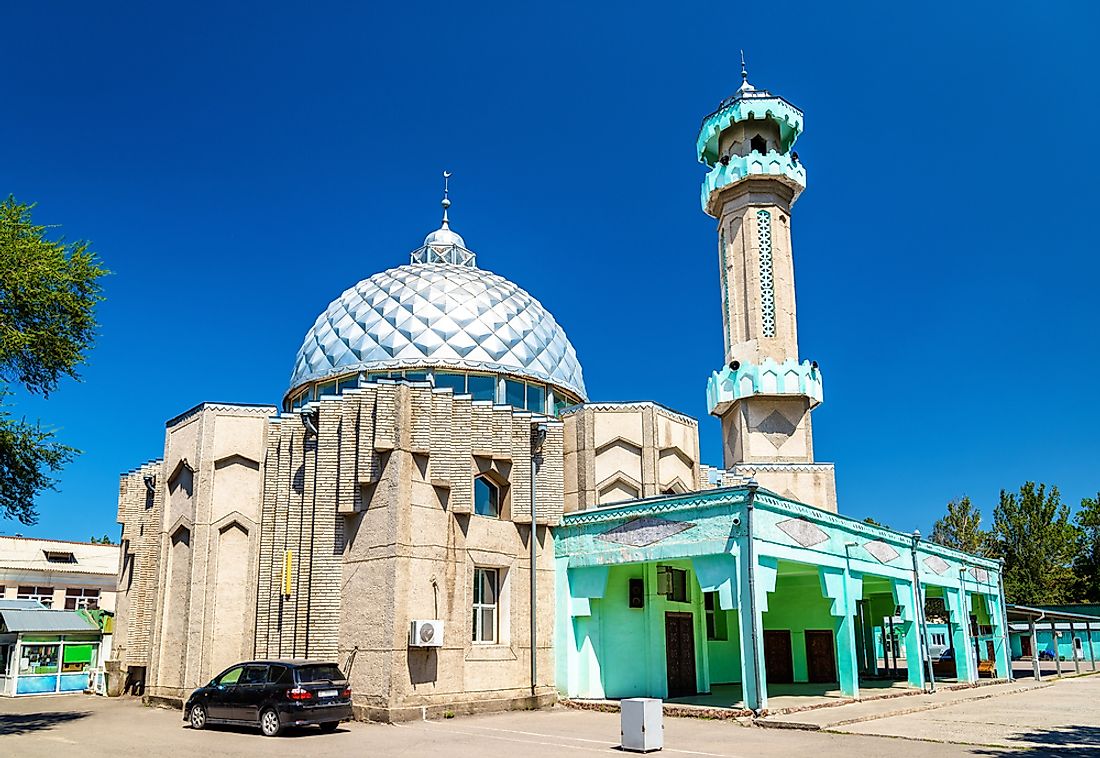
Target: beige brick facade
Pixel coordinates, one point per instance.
(376, 514)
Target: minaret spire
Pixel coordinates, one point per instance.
(744, 72)
(446, 199)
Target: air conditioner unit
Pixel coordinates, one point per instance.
(426, 633)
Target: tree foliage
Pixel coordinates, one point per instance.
(1033, 534)
(1087, 563)
(961, 528)
(48, 294)
(104, 540)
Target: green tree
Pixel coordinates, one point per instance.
(1087, 563)
(1034, 536)
(48, 294)
(104, 540)
(961, 528)
(872, 522)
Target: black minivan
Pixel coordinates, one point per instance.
(273, 695)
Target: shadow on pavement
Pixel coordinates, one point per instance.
(1066, 742)
(290, 731)
(22, 723)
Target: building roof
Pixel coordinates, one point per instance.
(29, 554)
(20, 604)
(1048, 613)
(441, 316)
(44, 620)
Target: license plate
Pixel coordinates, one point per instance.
(328, 693)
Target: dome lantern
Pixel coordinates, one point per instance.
(444, 245)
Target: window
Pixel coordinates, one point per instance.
(482, 387)
(79, 658)
(716, 617)
(561, 403)
(77, 597)
(320, 672)
(514, 394)
(43, 595)
(759, 144)
(486, 585)
(231, 676)
(327, 388)
(456, 382)
(536, 398)
(348, 383)
(58, 556)
(39, 659)
(486, 498)
(672, 583)
(939, 639)
(253, 675)
(279, 675)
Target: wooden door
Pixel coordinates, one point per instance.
(778, 663)
(680, 654)
(1025, 646)
(820, 656)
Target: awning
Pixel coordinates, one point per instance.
(44, 620)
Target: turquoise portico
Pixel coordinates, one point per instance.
(760, 569)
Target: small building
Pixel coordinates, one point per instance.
(59, 574)
(45, 651)
(1055, 632)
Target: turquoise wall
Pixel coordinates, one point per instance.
(797, 605)
(1064, 646)
(725, 655)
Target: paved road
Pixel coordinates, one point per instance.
(57, 727)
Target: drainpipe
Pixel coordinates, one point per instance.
(922, 625)
(1004, 617)
(538, 436)
(751, 570)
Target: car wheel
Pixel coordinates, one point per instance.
(198, 717)
(329, 726)
(269, 723)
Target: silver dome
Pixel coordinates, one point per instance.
(438, 315)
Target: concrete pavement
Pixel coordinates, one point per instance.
(1062, 719)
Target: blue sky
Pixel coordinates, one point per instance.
(238, 165)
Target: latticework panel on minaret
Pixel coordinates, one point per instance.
(767, 274)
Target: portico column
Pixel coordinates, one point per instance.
(1088, 633)
(907, 599)
(1057, 653)
(755, 582)
(960, 636)
(1073, 649)
(844, 588)
(1034, 649)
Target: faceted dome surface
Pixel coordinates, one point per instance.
(442, 315)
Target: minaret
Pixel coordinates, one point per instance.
(763, 394)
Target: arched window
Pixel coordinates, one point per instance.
(759, 144)
(486, 497)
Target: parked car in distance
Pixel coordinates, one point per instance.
(273, 695)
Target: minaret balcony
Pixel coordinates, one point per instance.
(726, 387)
(757, 105)
(771, 164)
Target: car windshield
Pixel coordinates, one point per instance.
(320, 672)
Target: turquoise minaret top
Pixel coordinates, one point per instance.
(731, 159)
